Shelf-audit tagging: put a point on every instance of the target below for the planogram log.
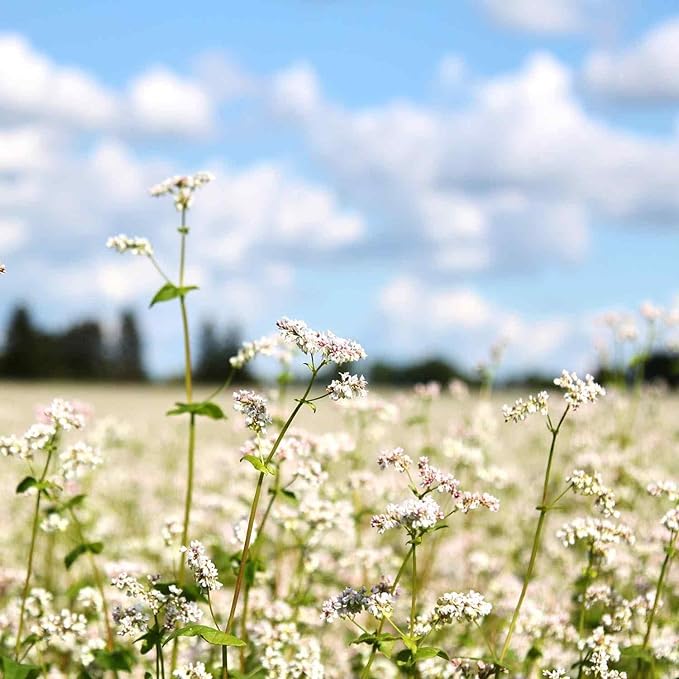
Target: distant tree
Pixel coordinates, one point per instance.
(435, 369)
(214, 351)
(81, 352)
(24, 355)
(127, 362)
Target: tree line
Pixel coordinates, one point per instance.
(83, 351)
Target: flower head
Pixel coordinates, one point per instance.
(253, 407)
(182, 188)
(521, 409)
(333, 349)
(136, 245)
(204, 571)
(347, 387)
(577, 391)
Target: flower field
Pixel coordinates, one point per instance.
(319, 529)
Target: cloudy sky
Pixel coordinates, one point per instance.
(424, 176)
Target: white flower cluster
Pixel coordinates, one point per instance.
(522, 409)
(134, 619)
(579, 392)
(77, 460)
(467, 502)
(432, 478)
(182, 188)
(667, 488)
(64, 415)
(603, 650)
(556, 673)
(600, 534)
(54, 523)
(204, 571)
(192, 671)
(453, 607)
(414, 515)
(351, 602)
(347, 387)
(134, 244)
(254, 408)
(593, 485)
(395, 458)
(270, 345)
(333, 349)
(13, 446)
(671, 520)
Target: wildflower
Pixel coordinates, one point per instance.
(131, 620)
(592, 485)
(170, 531)
(432, 478)
(270, 345)
(668, 488)
(414, 515)
(136, 245)
(192, 671)
(579, 391)
(348, 603)
(600, 534)
(521, 409)
(395, 458)
(77, 459)
(12, 446)
(556, 673)
(347, 386)
(204, 571)
(671, 520)
(182, 188)
(64, 415)
(427, 391)
(454, 607)
(54, 523)
(467, 502)
(333, 349)
(254, 408)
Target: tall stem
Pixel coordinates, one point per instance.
(31, 551)
(664, 571)
(581, 616)
(413, 597)
(543, 509)
(255, 502)
(373, 653)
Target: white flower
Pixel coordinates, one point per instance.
(78, 459)
(64, 415)
(592, 485)
(204, 571)
(347, 386)
(254, 407)
(579, 391)
(521, 409)
(182, 188)
(136, 245)
(13, 446)
(457, 607)
(333, 349)
(395, 458)
(671, 520)
(54, 523)
(192, 671)
(413, 515)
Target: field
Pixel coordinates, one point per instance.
(439, 592)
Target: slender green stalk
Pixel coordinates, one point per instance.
(581, 616)
(373, 653)
(255, 502)
(664, 571)
(31, 551)
(543, 509)
(98, 581)
(413, 595)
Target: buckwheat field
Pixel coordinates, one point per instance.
(319, 529)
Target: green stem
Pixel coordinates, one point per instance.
(98, 581)
(581, 617)
(256, 498)
(373, 653)
(31, 551)
(543, 509)
(413, 598)
(664, 571)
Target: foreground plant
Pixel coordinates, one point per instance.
(577, 392)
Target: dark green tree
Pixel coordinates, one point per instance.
(24, 356)
(127, 360)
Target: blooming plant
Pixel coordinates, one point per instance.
(318, 530)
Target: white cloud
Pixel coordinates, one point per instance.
(451, 71)
(161, 102)
(645, 72)
(295, 91)
(427, 318)
(543, 16)
(12, 235)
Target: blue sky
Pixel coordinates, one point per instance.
(427, 177)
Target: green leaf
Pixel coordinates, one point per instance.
(73, 502)
(289, 495)
(79, 550)
(169, 291)
(259, 465)
(15, 670)
(149, 640)
(209, 634)
(430, 652)
(205, 408)
(119, 659)
(25, 484)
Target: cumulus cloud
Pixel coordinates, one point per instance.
(646, 72)
(542, 16)
(428, 318)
